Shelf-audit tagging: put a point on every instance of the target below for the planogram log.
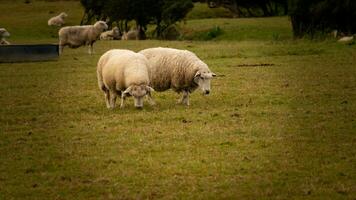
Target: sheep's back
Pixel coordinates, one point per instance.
(171, 68)
(124, 68)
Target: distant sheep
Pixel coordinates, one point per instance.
(131, 35)
(110, 35)
(4, 33)
(76, 36)
(57, 20)
(125, 73)
(180, 70)
(346, 39)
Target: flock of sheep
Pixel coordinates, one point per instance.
(126, 73)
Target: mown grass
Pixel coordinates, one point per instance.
(279, 124)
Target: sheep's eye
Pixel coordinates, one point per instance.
(202, 78)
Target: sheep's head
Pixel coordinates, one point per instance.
(116, 32)
(101, 25)
(4, 33)
(138, 92)
(203, 78)
(63, 15)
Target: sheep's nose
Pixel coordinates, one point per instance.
(139, 107)
(207, 91)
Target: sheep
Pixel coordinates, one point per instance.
(180, 70)
(4, 33)
(125, 73)
(110, 35)
(130, 35)
(346, 39)
(57, 20)
(76, 36)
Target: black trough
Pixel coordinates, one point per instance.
(28, 53)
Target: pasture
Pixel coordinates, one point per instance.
(278, 124)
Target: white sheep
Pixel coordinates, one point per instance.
(57, 20)
(76, 36)
(110, 35)
(4, 33)
(130, 35)
(125, 73)
(346, 39)
(180, 70)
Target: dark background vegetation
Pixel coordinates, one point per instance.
(308, 17)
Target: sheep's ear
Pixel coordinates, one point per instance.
(213, 74)
(127, 91)
(149, 89)
(197, 74)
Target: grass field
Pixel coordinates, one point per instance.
(279, 123)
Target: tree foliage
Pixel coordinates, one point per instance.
(162, 13)
(250, 8)
(310, 17)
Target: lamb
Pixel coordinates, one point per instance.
(180, 70)
(110, 35)
(76, 36)
(125, 73)
(4, 33)
(57, 20)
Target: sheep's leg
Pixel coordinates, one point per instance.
(123, 97)
(113, 96)
(185, 98)
(91, 49)
(107, 98)
(60, 49)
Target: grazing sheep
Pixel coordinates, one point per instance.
(4, 33)
(76, 36)
(125, 73)
(110, 35)
(180, 70)
(57, 20)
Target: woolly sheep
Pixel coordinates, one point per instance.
(125, 73)
(57, 20)
(4, 33)
(180, 70)
(76, 36)
(110, 35)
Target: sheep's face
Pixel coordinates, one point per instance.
(138, 92)
(203, 79)
(63, 15)
(4, 33)
(116, 32)
(101, 25)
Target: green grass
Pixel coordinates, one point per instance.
(281, 131)
(272, 28)
(202, 11)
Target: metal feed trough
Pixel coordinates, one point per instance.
(28, 53)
